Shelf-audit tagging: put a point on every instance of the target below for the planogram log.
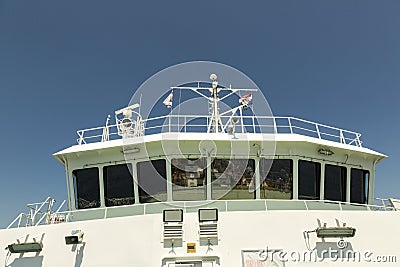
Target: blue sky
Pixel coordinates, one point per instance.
(65, 65)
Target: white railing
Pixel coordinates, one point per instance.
(222, 205)
(245, 124)
(388, 203)
(38, 214)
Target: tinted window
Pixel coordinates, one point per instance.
(87, 188)
(335, 183)
(232, 179)
(152, 179)
(276, 178)
(309, 179)
(118, 185)
(188, 179)
(359, 186)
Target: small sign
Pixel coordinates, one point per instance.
(191, 247)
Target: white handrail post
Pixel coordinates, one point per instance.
(275, 128)
(80, 134)
(290, 125)
(169, 122)
(319, 134)
(106, 135)
(241, 120)
(358, 140)
(342, 140)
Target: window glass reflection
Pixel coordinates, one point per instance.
(359, 186)
(232, 179)
(276, 178)
(188, 179)
(309, 179)
(118, 185)
(152, 180)
(87, 188)
(335, 183)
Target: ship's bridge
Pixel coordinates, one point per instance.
(220, 157)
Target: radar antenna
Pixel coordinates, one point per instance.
(127, 127)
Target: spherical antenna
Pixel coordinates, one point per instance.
(213, 77)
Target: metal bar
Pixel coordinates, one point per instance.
(185, 123)
(18, 218)
(219, 89)
(194, 89)
(316, 127)
(241, 119)
(342, 140)
(231, 93)
(290, 125)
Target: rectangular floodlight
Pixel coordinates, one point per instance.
(25, 247)
(208, 215)
(75, 238)
(335, 232)
(175, 215)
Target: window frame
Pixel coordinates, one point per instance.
(104, 176)
(255, 175)
(76, 188)
(318, 179)
(204, 186)
(293, 175)
(167, 178)
(344, 182)
(366, 187)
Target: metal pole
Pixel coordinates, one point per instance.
(215, 107)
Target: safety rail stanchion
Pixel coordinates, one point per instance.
(290, 124)
(342, 139)
(319, 134)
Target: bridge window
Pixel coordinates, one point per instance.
(87, 188)
(335, 183)
(359, 186)
(309, 179)
(118, 185)
(152, 179)
(188, 179)
(232, 179)
(276, 178)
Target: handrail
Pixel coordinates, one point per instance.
(38, 214)
(223, 205)
(247, 124)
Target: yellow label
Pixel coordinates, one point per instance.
(191, 247)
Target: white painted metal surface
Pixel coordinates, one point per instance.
(137, 240)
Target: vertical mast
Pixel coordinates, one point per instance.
(215, 112)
